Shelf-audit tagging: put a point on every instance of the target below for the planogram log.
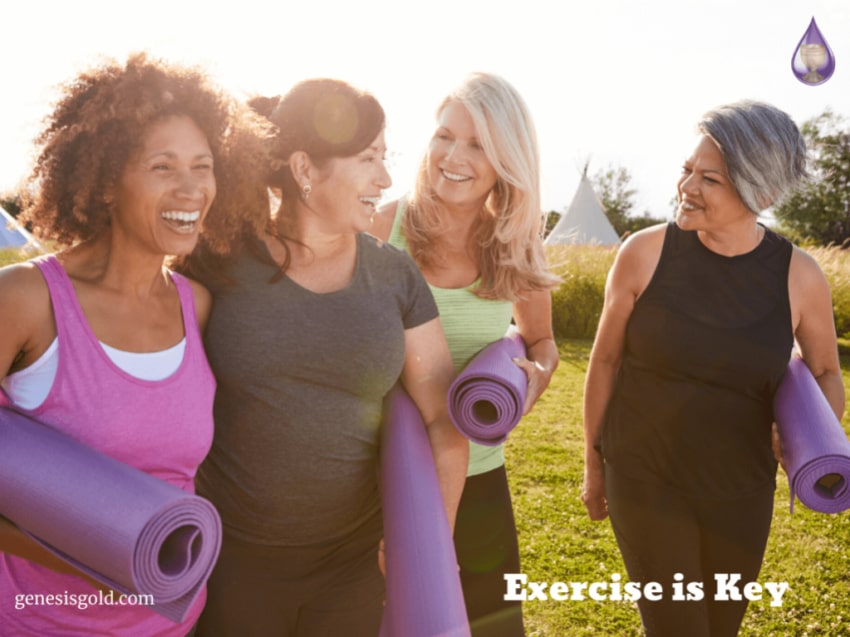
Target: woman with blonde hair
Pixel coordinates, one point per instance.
(473, 225)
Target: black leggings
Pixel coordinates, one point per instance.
(486, 545)
(661, 532)
(322, 591)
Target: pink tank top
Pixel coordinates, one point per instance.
(162, 427)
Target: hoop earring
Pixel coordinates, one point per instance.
(305, 191)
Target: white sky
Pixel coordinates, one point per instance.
(615, 81)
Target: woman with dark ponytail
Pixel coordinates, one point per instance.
(313, 322)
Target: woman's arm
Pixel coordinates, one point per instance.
(627, 279)
(427, 374)
(814, 326)
(533, 317)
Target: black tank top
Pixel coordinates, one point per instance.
(706, 346)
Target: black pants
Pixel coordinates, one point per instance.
(661, 532)
(487, 548)
(322, 591)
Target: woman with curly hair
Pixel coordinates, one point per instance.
(316, 322)
(472, 224)
(101, 340)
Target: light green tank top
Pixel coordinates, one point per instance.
(469, 323)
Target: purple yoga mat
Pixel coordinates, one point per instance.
(125, 528)
(814, 446)
(424, 595)
(487, 397)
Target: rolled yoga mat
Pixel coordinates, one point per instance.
(487, 398)
(815, 448)
(125, 528)
(424, 595)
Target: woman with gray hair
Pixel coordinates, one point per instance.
(700, 319)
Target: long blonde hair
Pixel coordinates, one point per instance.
(509, 233)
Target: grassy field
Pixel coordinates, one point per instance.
(810, 551)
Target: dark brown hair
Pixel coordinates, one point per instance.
(324, 118)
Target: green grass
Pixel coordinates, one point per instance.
(558, 542)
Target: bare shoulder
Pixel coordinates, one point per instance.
(808, 288)
(23, 289)
(382, 225)
(804, 269)
(650, 238)
(638, 258)
(26, 316)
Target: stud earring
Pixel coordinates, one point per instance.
(305, 191)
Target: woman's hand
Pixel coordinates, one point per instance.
(538, 381)
(593, 491)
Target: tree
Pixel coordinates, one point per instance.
(613, 187)
(11, 202)
(820, 210)
(551, 221)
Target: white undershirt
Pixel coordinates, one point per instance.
(30, 386)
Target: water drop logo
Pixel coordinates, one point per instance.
(813, 62)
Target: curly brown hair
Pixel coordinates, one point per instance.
(100, 121)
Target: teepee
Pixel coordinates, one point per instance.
(584, 221)
(14, 235)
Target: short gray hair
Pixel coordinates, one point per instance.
(764, 151)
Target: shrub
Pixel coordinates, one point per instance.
(577, 302)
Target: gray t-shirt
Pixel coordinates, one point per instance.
(301, 378)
